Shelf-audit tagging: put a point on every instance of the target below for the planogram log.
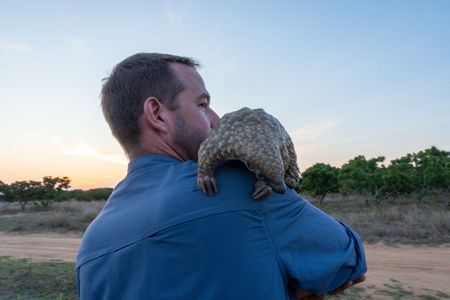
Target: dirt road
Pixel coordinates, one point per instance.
(40, 247)
(415, 267)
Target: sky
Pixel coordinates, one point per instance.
(345, 78)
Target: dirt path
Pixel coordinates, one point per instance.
(414, 267)
(40, 247)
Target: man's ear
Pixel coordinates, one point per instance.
(154, 114)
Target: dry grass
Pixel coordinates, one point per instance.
(68, 216)
(401, 221)
(24, 279)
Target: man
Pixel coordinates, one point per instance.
(160, 237)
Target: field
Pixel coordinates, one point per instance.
(23, 279)
(400, 221)
(407, 244)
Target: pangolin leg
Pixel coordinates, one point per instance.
(207, 184)
(262, 190)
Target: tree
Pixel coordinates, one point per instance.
(3, 187)
(49, 188)
(41, 193)
(4, 192)
(433, 171)
(402, 177)
(365, 177)
(319, 180)
(24, 191)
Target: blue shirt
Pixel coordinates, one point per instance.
(159, 237)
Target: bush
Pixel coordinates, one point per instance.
(80, 195)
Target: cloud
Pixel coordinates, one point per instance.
(11, 46)
(308, 139)
(170, 13)
(28, 134)
(176, 17)
(82, 149)
(312, 132)
(79, 46)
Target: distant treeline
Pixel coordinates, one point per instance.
(414, 175)
(50, 189)
(417, 174)
(84, 195)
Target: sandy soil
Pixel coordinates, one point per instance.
(414, 267)
(40, 247)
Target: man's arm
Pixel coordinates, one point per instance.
(305, 295)
(317, 253)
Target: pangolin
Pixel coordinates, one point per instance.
(260, 141)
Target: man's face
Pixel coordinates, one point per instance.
(193, 118)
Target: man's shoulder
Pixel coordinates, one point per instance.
(159, 195)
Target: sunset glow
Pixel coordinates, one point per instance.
(344, 78)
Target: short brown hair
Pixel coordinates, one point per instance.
(131, 82)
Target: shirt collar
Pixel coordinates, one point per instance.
(149, 159)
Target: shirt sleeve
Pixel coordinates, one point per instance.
(317, 252)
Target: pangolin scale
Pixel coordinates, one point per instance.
(260, 141)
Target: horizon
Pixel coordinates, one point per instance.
(344, 79)
(385, 163)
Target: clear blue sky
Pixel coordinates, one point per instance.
(345, 77)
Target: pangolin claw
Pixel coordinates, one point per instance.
(262, 190)
(208, 184)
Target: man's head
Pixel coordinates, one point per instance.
(157, 103)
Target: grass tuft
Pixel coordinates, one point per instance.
(406, 222)
(23, 279)
(394, 222)
(62, 217)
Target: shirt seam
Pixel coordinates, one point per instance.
(153, 231)
(275, 249)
